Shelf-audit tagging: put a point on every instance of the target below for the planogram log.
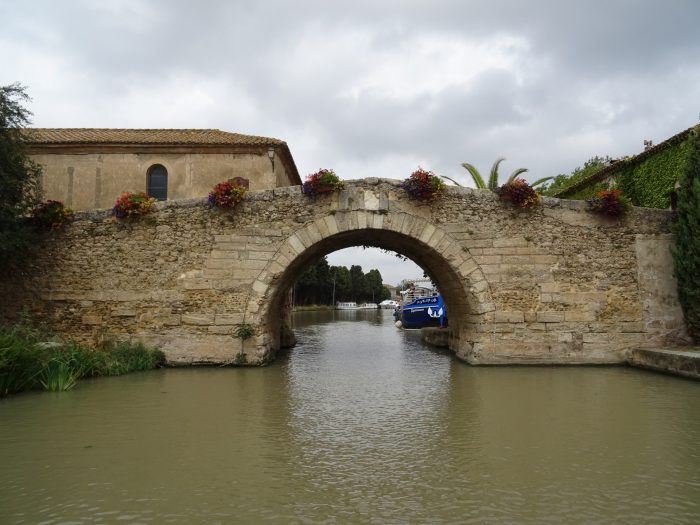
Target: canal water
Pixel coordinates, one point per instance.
(360, 423)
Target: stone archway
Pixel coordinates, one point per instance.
(454, 271)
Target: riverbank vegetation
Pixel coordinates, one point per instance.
(324, 284)
(30, 360)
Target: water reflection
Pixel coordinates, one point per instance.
(358, 424)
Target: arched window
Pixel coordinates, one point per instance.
(157, 181)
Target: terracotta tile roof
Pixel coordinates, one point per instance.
(199, 137)
(610, 170)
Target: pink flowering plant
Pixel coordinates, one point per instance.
(51, 215)
(226, 194)
(322, 181)
(609, 202)
(130, 205)
(423, 185)
(520, 193)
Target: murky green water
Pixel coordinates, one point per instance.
(358, 424)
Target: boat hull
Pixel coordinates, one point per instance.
(421, 313)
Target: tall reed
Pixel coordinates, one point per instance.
(58, 376)
(28, 361)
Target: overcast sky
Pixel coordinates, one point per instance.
(370, 88)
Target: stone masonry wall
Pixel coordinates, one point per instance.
(556, 284)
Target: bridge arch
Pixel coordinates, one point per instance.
(551, 285)
(455, 272)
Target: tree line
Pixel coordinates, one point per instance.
(324, 284)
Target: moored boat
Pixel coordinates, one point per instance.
(368, 306)
(421, 307)
(340, 305)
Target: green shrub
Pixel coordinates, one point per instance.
(244, 331)
(240, 359)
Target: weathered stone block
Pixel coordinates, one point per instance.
(123, 312)
(228, 319)
(170, 320)
(220, 254)
(596, 338)
(509, 317)
(550, 317)
(218, 264)
(488, 259)
(220, 330)
(573, 315)
(468, 267)
(550, 287)
(197, 284)
(509, 241)
(197, 319)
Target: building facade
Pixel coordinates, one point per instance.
(90, 168)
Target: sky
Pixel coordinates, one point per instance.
(370, 88)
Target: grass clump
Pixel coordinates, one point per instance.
(29, 361)
(20, 363)
(58, 376)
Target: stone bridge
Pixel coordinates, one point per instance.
(555, 284)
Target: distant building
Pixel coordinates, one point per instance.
(648, 179)
(89, 168)
(393, 290)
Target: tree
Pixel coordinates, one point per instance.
(314, 285)
(562, 180)
(359, 284)
(321, 283)
(493, 176)
(343, 285)
(20, 184)
(376, 288)
(686, 253)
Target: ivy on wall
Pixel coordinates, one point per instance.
(686, 252)
(650, 182)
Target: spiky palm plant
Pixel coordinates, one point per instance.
(493, 176)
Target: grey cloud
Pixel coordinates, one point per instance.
(591, 78)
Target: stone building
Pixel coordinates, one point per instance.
(89, 168)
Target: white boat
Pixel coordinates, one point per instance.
(369, 306)
(388, 304)
(346, 306)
